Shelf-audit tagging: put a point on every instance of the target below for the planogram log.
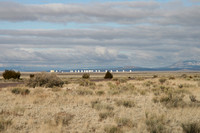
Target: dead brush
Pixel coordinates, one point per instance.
(192, 127)
(21, 91)
(86, 82)
(45, 80)
(84, 91)
(63, 118)
(125, 103)
(4, 124)
(156, 123)
(122, 88)
(124, 122)
(105, 114)
(96, 104)
(113, 129)
(172, 100)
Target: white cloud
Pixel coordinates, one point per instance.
(154, 34)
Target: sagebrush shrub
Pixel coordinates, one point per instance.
(86, 76)
(162, 80)
(45, 80)
(156, 123)
(125, 103)
(4, 124)
(8, 74)
(86, 82)
(20, 91)
(63, 118)
(113, 129)
(127, 122)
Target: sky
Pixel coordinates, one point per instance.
(98, 33)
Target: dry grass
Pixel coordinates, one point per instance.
(114, 106)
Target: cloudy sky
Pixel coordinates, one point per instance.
(98, 33)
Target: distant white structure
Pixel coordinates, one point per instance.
(130, 71)
(106, 70)
(99, 71)
(71, 71)
(110, 70)
(123, 71)
(117, 71)
(78, 71)
(82, 71)
(91, 71)
(52, 71)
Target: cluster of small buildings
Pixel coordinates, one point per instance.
(90, 71)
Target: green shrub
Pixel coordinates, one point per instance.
(8, 74)
(20, 91)
(86, 76)
(45, 80)
(193, 127)
(108, 75)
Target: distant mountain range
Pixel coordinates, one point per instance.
(187, 65)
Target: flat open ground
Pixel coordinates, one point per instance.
(131, 102)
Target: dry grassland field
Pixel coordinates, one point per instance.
(137, 102)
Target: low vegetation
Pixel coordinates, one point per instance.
(63, 118)
(112, 129)
(154, 102)
(86, 76)
(4, 124)
(21, 91)
(125, 103)
(156, 123)
(86, 82)
(193, 127)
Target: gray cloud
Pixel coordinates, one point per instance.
(138, 45)
(117, 12)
